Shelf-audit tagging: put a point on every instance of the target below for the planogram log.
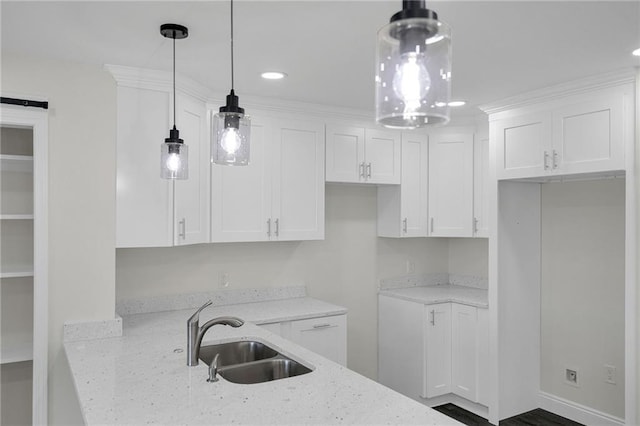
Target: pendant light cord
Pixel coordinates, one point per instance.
(174, 79)
(232, 86)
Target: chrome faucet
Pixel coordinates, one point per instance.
(195, 333)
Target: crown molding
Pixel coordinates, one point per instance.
(601, 81)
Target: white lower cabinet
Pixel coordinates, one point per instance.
(425, 351)
(326, 336)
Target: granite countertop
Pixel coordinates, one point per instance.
(441, 294)
(142, 377)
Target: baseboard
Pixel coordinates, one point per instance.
(576, 412)
(451, 398)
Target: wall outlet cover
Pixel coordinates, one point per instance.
(610, 374)
(571, 376)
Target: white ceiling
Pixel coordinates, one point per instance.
(327, 47)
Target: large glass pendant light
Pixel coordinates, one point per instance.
(174, 153)
(231, 128)
(413, 69)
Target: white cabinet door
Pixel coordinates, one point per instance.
(144, 201)
(402, 210)
(191, 202)
(588, 136)
(523, 146)
(344, 154)
(437, 349)
(482, 366)
(326, 336)
(464, 350)
(297, 209)
(480, 186)
(401, 363)
(241, 196)
(382, 152)
(451, 185)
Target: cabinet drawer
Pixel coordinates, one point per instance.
(326, 336)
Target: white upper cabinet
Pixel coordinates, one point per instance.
(451, 184)
(191, 197)
(480, 186)
(240, 196)
(151, 211)
(280, 194)
(144, 201)
(575, 134)
(358, 155)
(402, 210)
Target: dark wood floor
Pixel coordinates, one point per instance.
(537, 417)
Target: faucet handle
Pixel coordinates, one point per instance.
(195, 318)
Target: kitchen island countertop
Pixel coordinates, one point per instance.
(142, 377)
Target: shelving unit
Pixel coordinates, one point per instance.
(23, 293)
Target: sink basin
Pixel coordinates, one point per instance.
(263, 371)
(236, 352)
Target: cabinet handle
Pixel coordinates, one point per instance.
(269, 227)
(404, 225)
(277, 227)
(369, 171)
(318, 326)
(475, 225)
(555, 159)
(431, 225)
(433, 317)
(361, 170)
(182, 225)
(546, 160)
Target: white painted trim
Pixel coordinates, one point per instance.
(37, 119)
(584, 85)
(576, 412)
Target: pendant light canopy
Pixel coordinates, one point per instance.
(174, 153)
(413, 69)
(231, 128)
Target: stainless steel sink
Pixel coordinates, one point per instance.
(263, 371)
(247, 362)
(236, 352)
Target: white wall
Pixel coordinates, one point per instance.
(82, 129)
(344, 268)
(582, 291)
(469, 256)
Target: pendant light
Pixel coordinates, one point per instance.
(413, 69)
(231, 128)
(174, 153)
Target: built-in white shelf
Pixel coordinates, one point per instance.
(18, 351)
(16, 217)
(17, 272)
(16, 163)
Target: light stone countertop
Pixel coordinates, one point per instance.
(140, 378)
(441, 294)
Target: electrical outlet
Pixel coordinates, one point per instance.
(410, 267)
(224, 279)
(571, 376)
(610, 374)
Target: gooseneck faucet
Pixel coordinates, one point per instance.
(195, 333)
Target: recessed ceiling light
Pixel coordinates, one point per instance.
(636, 52)
(273, 75)
(457, 103)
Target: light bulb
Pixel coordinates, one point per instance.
(411, 82)
(230, 140)
(173, 162)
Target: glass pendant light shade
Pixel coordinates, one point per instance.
(413, 69)
(231, 134)
(174, 157)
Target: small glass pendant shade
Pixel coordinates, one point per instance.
(174, 160)
(413, 73)
(231, 134)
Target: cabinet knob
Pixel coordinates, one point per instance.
(546, 160)
(404, 225)
(182, 228)
(475, 225)
(269, 227)
(369, 171)
(361, 170)
(555, 159)
(433, 317)
(277, 227)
